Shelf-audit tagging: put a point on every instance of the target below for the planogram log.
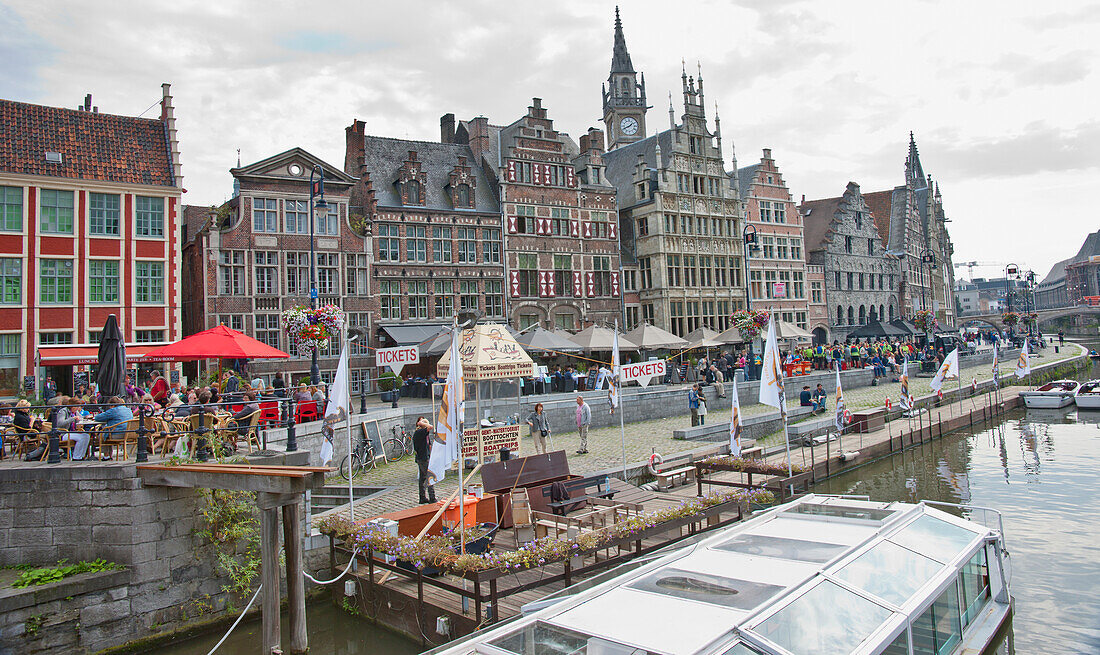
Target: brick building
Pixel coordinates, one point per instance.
(777, 264)
(89, 225)
(436, 228)
(561, 240)
(860, 277)
(249, 259)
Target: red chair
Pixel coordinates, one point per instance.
(307, 411)
(269, 414)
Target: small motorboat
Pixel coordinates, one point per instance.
(1051, 395)
(1094, 355)
(1088, 395)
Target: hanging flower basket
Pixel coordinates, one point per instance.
(1029, 319)
(1010, 318)
(750, 322)
(925, 320)
(309, 329)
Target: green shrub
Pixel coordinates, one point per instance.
(36, 577)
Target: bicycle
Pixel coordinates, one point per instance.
(361, 455)
(399, 445)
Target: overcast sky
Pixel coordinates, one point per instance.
(997, 93)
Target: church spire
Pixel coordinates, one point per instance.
(620, 58)
(914, 172)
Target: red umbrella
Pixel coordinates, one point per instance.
(220, 342)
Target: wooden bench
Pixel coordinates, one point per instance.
(668, 479)
(601, 514)
(756, 452)
(577, 500)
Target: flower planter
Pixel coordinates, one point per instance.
(473, 547)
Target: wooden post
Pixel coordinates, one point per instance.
(269, 556)
(295, 583)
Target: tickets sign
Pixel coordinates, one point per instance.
(396, 358)
(489, 441)
(642, 372)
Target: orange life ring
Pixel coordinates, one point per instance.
(655, 460)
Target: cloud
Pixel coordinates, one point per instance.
(1025, 71)
(1038, 147)
(23, 53)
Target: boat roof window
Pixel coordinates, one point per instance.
(544, 639)
(935, 538)
(826, 620)
(706, 588)
(741, 649)
(783, 548)
(889, 571)
(842, 511)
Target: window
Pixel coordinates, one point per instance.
(467, 245)
(766, 211)
(768, 244)
(682, 183)
(673, 270)
(851, 316)
(690, 278)
(416, 243)
(232, 321)
(851, 278)
(870, 246)
(149, 336)
(559, 222)
(769, 283)
(630, 281)
(528, 274)
(444, 298)
(391, 299)
(525, 219)
(362, 320)
(102, 280)
(150, 282)
(781, 249)
(563, 275)
(103, 214)
(815, 293)
(328, 273)
(418, 299)
(389, 245)
(360, 380)
(231, 273)
(494, 298)
(56, 211)
(412, 193)
(647, 312)
(756, 284)
(265, 215)
(527, 320)
(462, 196)
(695, 145)
(55, 280)
(836, 276)
(601, 276)
(848, 244)
(296, 216)
(357, 282)
(491, 246)
(862, 315)
(149, 217)
(839, 315)
(796, 248)
(670, 223)
(297, 273)
(55, 338)
(939, 628)
(645, 269)
(798, 285)
(441, 245)
(880, 280)
(861, 281)
(328, 222)
(643, 226)
(676, 318)
(720, 272)
(735, 271)
(600, 223)
(468, 299)
(11, 280)
(266, 268)
(779, 212)
(11, 209)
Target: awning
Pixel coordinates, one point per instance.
(88, 354)
(407, 335)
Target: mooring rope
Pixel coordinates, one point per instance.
(316, 581)
(235, 623)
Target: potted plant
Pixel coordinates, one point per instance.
(389, 383)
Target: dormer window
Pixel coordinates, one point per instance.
(413, 193)
(462, 196)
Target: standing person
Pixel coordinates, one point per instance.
(702, 406)
(49, 390)
(158, 388)
(422, 448)
(279, 385)
(540, 428)
(693, 404)
(584, 420)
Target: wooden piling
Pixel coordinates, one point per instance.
(295, 583)
(269, 555)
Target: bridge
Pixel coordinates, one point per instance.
(1045, 316)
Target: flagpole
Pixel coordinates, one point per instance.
(617, 379)
(347, 371)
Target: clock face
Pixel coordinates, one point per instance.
(629, 126)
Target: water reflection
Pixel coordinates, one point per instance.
(1037, 469)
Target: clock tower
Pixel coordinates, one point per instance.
(623, 97)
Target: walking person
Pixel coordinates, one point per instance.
(540, 428)
(422, 448)
(584, 420)
(693, 404)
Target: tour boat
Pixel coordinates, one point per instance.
(1051, 395)
(1088, 395)
(822, 574)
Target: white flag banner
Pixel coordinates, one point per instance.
(771, 374)
(841, 410)
(1023, 366)
(616, 371)
(948, 369)
(735, 422)
(996, 366)
(448, 425)
(905, 401)
(339, 406)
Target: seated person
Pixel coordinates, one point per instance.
(238, 424)
(68, 418)
(819, 398)
(303, 395)
(805, 399)
(877, 367)
(115, 416)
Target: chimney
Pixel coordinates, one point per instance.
(536, 110)
(353, 147)
(803, 199)
(592, 142)
(767, 153)
(88, 102)
(168, 117)
(447, 128)
(479, 137)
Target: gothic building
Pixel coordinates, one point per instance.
(679, 215)
(860, 277)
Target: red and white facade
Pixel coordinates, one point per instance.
(89, 226)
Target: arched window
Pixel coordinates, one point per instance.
(626, 87)
(891, 311)
(851, 316)
(872, 315)
(462, 195)
(862, 315)
(839, 315)
(881, 313)
(412, 192)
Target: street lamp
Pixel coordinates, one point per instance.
(927, 257)
(316, 191)
(748, 235)
(1010, 270)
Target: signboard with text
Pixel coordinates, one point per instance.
(491, 441)
(779, 289)
(397, 358)
(642, 372)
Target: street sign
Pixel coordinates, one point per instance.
(779, 289)
(642, 372)
(397, 358)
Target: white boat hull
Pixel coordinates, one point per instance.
(1088, 401)
(1044, 400)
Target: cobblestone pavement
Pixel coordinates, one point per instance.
(605, 445)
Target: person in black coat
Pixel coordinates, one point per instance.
(422, 449)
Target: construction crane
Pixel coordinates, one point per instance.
(970, 266)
